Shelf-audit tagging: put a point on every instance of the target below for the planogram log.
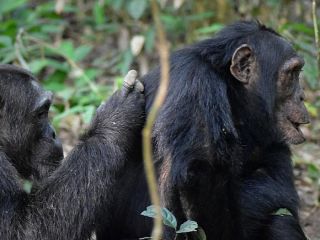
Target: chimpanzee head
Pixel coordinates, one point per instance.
(26, 136)
(267, 66)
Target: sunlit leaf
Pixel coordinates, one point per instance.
(136, 8)
(313, 111)
(150, 212)
(210, 29)
(188, 226)
(167, 217)
(5, 41)
(313, 171)
(66, 48)
(73, 110)
(282, 212)
(37, 65)
(27, 186)
(98, 13)
(7, 6)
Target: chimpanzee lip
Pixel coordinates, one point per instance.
(298, 136)
(296, 126)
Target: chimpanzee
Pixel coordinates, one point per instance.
(67, 201)
(221, 141)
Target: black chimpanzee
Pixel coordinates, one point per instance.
(221, 140)
(67, 203)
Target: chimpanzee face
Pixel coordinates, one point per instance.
(291, 111)
(26, 135)
(47, 148)
(277, 85)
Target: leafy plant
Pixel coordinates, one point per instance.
(170, 220)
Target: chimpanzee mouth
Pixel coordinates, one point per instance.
(297, 128)
(293, 133)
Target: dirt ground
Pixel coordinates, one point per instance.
(307, 158)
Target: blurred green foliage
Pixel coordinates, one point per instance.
(81, 49)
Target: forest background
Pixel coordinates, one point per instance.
(81, 50)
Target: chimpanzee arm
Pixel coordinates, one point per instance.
(12, 200)
(264, 192)
(69, 202)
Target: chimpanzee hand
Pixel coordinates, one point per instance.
(122, 116)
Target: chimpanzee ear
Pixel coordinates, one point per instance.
(242, 63)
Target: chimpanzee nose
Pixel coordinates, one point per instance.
(50, 132)
(302, 96)
(304, 118)
(53, 134)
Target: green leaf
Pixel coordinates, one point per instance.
(5, 41)
(58, 65)
(173, 23)
(8, 57)
(300, 28)
(210, 29)
(167, 217)
(150, 212)
(27, 186)
(118, 82)
(136, 8)
(55, 86)
(313, 171)
(66, 49)
(126, 61)
(88, 113)
(37, 65)
(81, 52)
(282, 212)
(51, 28)
(311, 72)
(7, 6)
(150, 39)
(66, 94)
(98, 13)
(312, 110)
(116, 4)
(188, 226)
(200, 16)
(73, 110)
(9, 28)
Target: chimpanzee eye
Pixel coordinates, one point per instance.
(296, 72)
(42, 114)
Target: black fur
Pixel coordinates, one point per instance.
(67, 204)
(219, 157)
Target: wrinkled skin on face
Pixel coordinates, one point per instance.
(291, 111)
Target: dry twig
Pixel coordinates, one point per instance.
(163, 50)
(316, 33)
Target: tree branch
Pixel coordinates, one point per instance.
(163, 50)
(316, 33)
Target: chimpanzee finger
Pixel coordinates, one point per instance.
(139, 86)
(129, 82)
